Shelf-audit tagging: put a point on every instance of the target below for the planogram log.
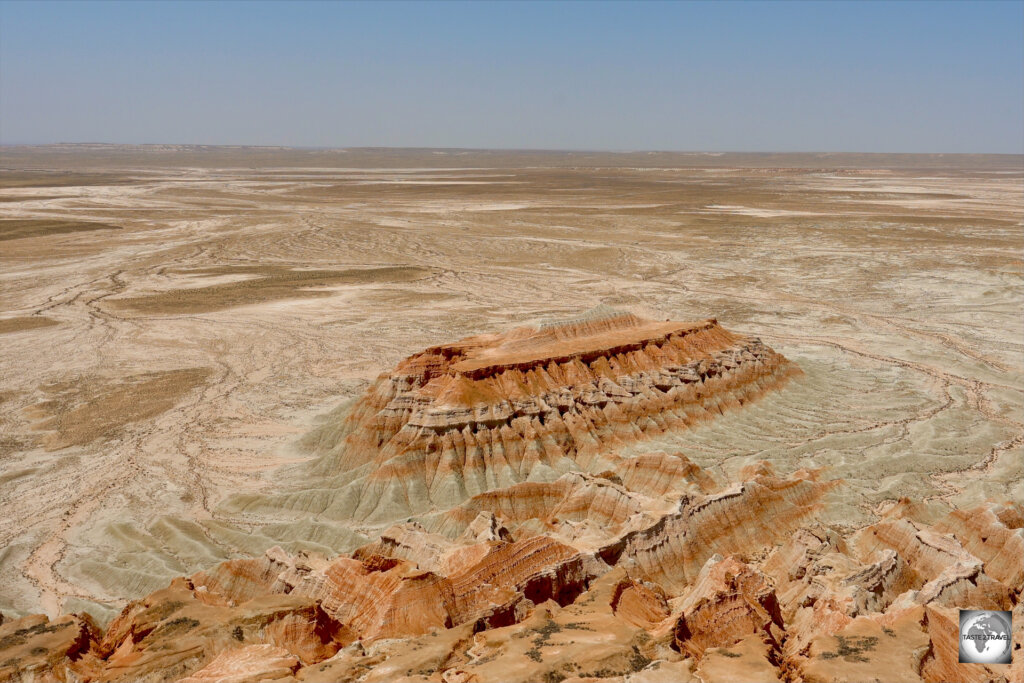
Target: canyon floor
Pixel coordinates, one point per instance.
(180, 327)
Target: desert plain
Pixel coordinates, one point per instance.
(181, 328)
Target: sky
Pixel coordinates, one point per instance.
(728, 76)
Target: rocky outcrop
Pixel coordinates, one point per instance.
(573, 496)
(994, 535)
(250, 663)
(741, 517)
(396, 598)
(639, 603)
(521, 542)
(35, 649)
(799, 601)
(659, 473)
(729, 601)
(181, 629)
(488, 412)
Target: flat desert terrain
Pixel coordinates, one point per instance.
(177, 325)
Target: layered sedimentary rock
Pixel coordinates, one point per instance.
(730, 600)
(529, 545)
(639, 603)
(798, 601)
(487, 412)
(34, 648)
(250, 663)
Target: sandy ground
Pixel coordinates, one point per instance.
(171, 323)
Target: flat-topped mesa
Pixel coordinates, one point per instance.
(493, 410)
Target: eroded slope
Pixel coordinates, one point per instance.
(738, 583)
(464, 419)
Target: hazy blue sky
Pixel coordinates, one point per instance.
(829, 76)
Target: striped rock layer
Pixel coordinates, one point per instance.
(539, 549)
(708, 587)
(490, 411)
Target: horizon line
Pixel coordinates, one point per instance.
(552, 150)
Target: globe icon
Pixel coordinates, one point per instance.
(985, 638)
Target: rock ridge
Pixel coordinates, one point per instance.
(487, 412)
